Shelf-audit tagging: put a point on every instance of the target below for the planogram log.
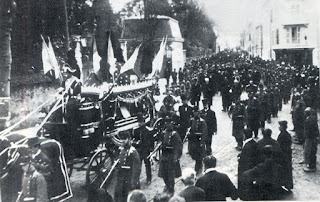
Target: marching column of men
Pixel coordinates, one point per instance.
(265, 166)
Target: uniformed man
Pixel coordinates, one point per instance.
(39, 159)
(195, 92)
(311, 133)
(236, 89)
(207, 91)
(225, 94)
(34, 186)
(171, 151)
(285, 142)
(167, 109)
(129, 169)
(143, 141)
(71, 83)
(253, 115)
(185, 113)
(237, 113)
(197, 140)
(209, 116)
(251, 88)
(72, 87)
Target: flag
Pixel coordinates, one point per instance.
(96, 58)
(78, 57)
(111, 59)
(158, 59)
(125, 52)
(132, 60)
(47, 66)
(137, 66)
(54, 61)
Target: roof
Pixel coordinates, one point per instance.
(165, 26)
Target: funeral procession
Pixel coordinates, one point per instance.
(159, 100)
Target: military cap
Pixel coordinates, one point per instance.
(283, 123)
(124, 134)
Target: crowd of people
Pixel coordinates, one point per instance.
(253, 92)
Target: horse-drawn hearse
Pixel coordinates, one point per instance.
(87, 133)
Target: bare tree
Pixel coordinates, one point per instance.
(6, 8)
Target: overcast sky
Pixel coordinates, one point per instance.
(229, 16)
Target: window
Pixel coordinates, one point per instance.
(295, 34)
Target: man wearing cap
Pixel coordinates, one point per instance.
(171, 151)
(207, 91)
(167, 109)
(197, 140)
(129, 169)
(209, 116)
(195, 92)
(143, 141)
(39, 159)
(190, 192)
(185, 113)
(285, 142)
(311, 133)
(237, 113)
(34, 185)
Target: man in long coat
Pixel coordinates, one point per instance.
(185, 113)
(311, 132)
(195, 93)
(129, 169)
(209, 117)
(247, 160)
(197, 140)
(237, 113)
(284, 140)
(253, 113)
(171, 151)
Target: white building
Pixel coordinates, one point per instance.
(284, 30)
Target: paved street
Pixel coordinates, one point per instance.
(223, 147)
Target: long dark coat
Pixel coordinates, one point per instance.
(285, 142)
(238, 120)
(197, 138)
(171, 153)
(247, 160)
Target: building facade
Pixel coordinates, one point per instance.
(284, 30)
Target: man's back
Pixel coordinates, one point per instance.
(193, 193)
(217, 186)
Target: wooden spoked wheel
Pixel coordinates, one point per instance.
(99, 167)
